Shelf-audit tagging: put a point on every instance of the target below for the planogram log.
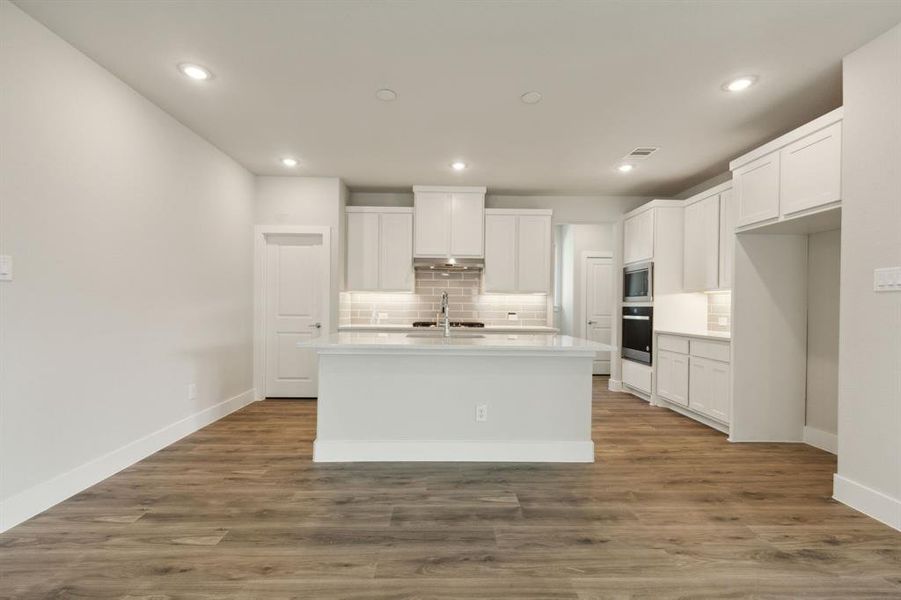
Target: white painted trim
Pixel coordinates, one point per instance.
(782, 141)
(717, 189)
(407, 210)
(452, 451)
(42, 496)
(259, 286)
(821, 439)
(657, 400)
(870, 502)
(659, 203)
(615, 385)
(450, 188)
(536, 212)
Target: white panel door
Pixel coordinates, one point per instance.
(533, 250)
(672, 376)
(709, 388)
(599, 308)
(294, 265)
(811, 170)
(432, 215)
(500, 253)
(362, 251)
(756, 188)
(467, 225)
(396, 252)
(727, 238)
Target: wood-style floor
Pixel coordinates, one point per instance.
(669, 510)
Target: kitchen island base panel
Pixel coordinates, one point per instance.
(422, 407)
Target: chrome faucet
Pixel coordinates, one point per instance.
(444, 314)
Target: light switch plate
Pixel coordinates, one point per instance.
(6, 267)
(887, 279)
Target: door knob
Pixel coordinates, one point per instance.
(591, 322)
(316, 325)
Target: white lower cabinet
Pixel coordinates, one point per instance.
(637, 376)
(672, 376)
(695, 374)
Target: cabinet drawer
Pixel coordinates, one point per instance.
(637, 376)
(712, 350)
(673, 344)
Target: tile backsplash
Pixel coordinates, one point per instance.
(719, 311)
(466, 302)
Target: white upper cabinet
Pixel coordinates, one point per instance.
(638, 237)
(517, 251)
(757, 188)
(500, 252)
(432, 213)
(379, 249)
(396, 251)
(449, 222)
(727, 237)
(793, 175)
(467, 224)
(701, 245)
(811, 170)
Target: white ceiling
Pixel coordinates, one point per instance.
(299, 78)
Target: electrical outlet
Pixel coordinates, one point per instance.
(887, 279)
(192, 391)
(6, 268)
(383, 315)
(512, 316)
(481, 413)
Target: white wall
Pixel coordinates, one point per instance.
(307, 201)
(132, 248)
(869, 402)
(579, 238)
(823, 267)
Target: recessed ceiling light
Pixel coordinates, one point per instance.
(195, 72)
(386, 95)
(740, 84)
(531, 97)
(624, 168)
(458, 165)
(289, 162)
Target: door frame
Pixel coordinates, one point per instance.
(261, 279)
(583, 276)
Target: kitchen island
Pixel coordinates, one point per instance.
(420, 396)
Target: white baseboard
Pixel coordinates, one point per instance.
(42, 496)
(687, 412)
(452, 451)
(615, 385)
(821, 439)
(870, 502)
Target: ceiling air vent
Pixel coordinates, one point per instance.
(641, 152)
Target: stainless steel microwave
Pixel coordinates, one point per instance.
(638, 282)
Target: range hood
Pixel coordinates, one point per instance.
(449, 264)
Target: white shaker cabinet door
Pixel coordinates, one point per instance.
(727, 238)
(362, 251)
(811, 170)
(467, 225)
(432, 224)
(396, 252)
(756, 186)
(672, 376)
(533, 254)
(500, 253)
(638, 237)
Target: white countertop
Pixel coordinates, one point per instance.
(724, 336)
(507, 344)
(487, 328)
